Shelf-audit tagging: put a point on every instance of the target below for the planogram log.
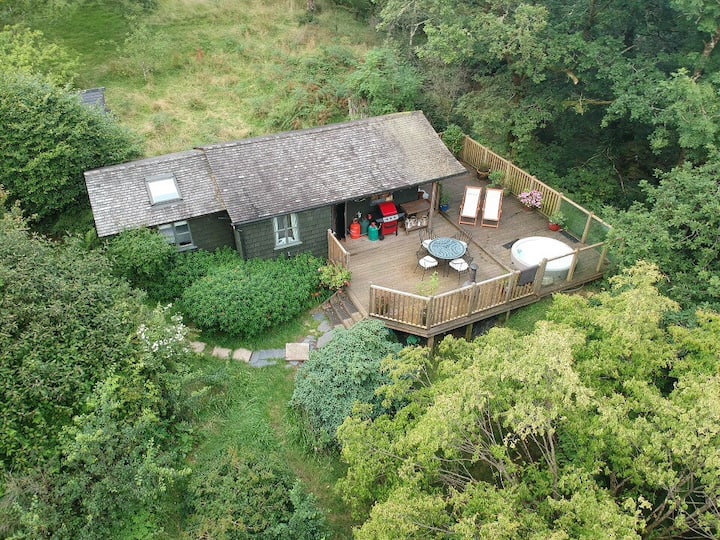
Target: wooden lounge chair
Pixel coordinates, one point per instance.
(492, 208)
(470, 205)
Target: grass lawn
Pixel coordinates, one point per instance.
(195, 72)
(248, 411)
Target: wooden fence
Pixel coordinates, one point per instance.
(588, 227)
(435, 314)
(337, 254)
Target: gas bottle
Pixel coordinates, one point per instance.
(355, 230)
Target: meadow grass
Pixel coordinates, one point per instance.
(196, 72)
(247, 410)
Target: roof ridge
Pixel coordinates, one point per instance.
(300, 132)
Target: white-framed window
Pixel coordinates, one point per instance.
(178, 234)
(162, 188)
(286, 230)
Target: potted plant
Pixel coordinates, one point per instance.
(334, 276)
(557, 220)
(496, 180)
(444, 200)
(531, 199)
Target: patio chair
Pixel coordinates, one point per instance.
(470, 206)
(461, 266)
(426, 236)
(492, 208)
(463, 237)
(425, 262)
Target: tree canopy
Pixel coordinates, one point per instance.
(91, 424)
(48, 140)
(594, 425)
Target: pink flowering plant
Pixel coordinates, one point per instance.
(531, 199)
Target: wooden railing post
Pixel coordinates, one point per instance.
(512, 283)
(603, 255)
(472, 299)
(573, 264)
(539, 276)
(429, 312)
(586, 232)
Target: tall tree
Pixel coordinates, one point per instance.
(48, 139)
(91, 400)
(570, 431)
(678, 229)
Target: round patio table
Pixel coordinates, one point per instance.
(446, 249)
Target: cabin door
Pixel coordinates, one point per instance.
(339, 222)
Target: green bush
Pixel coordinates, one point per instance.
(248, 298)
(454, 138)
(251, 496)
(143, 257)
(47, 139)
(344, 371)
(190, 266)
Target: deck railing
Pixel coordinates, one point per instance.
(584, 225)
(337, 254)
(467, 304)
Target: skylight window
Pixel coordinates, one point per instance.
(162, 188)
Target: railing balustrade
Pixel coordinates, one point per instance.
(337, 254)
(434, 314)
(466, 304)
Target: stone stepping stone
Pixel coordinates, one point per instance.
(258, 363)
(325, 326)
(197, 346)
(221, 352)
(297, 352)
(324, 339)
(268, 357)
(243, 355)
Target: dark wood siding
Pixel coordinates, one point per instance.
(258, 239)
(212, 232)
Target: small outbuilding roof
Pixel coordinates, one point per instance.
(94, 97)
(258, 178)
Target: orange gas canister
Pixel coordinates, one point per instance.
(355, 230)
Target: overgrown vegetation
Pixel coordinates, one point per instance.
(250, 297)
(251, 496)
(48, 140)
(93, 408)
(343, 372)
(598, 423)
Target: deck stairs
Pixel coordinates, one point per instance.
(341, 310)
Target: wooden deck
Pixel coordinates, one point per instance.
(392, 264)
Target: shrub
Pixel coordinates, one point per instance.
(454, 138)
(248, 298)
(251, 497)
(47, 139)
(143, 257)
(334, 276)
(190, 266)
(344, 371)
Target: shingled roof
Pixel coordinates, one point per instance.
(258, 178)
(120, 200)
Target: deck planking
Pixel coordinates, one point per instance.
(392, 262)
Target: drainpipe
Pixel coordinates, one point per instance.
(237, 233)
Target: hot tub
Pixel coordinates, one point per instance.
(530, 251)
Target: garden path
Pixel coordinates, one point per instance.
(294, 353)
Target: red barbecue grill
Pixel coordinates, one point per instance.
(389, 218)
